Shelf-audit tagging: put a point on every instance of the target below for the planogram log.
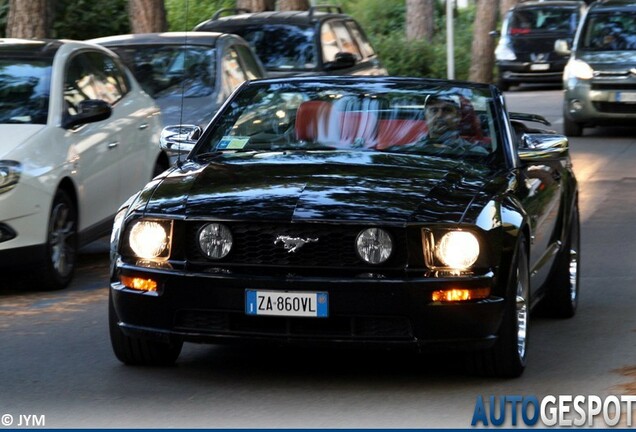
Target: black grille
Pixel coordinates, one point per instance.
(615, 107)
(615, 87)
(255, 245)
(356, 328)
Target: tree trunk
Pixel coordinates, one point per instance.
(504, 5)
(256, 5)
(420, 19)
(28, 19)
(291, 5)
(147, 16)
(483, 47)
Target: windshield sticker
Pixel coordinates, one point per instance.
(232, 142)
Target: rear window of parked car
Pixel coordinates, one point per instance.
(543, 19)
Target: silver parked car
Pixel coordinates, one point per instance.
(599, 79)
(188, 74)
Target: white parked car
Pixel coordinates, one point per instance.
(79, 136)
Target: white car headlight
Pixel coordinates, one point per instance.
(457, 249)
(149, 239)
(374, 245)
(578, 69)
(9, 175)
(215, 240)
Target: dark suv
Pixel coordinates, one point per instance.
(525, 52)
(321, 40)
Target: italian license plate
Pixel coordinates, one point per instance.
(625, 96)
(286, 303)
(539, 66)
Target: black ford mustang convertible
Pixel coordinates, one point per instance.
(389, 212)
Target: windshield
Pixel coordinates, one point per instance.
(24, 90)
(169, 70)
(281, 46)
(543, 19)
(400, 117)
(610, 31)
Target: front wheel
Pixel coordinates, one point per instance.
(562, 297)
(571, 128)
(61, 244)
(139, 352)
(507, 358)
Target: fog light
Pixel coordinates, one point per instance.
(575, 105)
(139, 284)
(460, 294)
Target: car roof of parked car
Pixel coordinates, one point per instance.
(171, 38)
(40, 48)
(314, 14)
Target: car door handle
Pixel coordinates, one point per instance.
(143, 126)
(113, 145)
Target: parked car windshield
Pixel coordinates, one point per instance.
(167, 70)
(281, 46)
(399, 117)
(24, 90)
(610, 31)
(543, 19)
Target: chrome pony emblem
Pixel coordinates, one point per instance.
(292, 244)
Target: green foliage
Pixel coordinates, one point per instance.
(4, 10)
(384, 23)
(183, 15)
(86, 19)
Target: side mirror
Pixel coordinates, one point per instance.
(179, 139)
(494, 34)
(561, 47)
(89, 111)
(342, 60)
(536, 147)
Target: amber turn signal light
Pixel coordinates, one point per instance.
(458, 295)
(139, 284)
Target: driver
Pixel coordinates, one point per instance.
(443, 118)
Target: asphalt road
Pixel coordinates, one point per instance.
(56, 364)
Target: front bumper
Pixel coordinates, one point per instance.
(362, 311)
(529, 72)
(601, 101)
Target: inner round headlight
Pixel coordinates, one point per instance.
(374, 245)
(458, 249)
(215, 240)
(148, 239)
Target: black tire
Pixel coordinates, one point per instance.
(571, 128)
(503, 85)
(507, 358)
(160, 166)
(61, 243)
(562, 296)
(139, 352)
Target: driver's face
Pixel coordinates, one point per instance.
(442, 117)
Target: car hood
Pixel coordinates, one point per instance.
(610, 60)
(323, 186)
(18, 133)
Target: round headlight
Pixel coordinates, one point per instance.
(458, 249)
(148, 239)
(374, 245)
(215, 240)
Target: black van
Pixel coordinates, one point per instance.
(525, 52)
